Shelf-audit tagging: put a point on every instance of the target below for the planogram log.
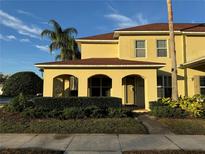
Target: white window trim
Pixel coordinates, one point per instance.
(167, 47)
(140, 48)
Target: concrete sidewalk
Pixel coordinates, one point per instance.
(102, 143)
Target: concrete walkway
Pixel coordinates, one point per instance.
(153, 126)
(102, 143)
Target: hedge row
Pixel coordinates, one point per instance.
(65, 108)
(50, 103)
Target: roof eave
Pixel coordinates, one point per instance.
(96, 41)
(98, 66)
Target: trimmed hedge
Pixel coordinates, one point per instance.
(27, 83)
(50, 103)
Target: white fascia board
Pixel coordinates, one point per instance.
(98, 66)
(97, 41)
(116, 33)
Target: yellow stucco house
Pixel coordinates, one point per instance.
(133, 64)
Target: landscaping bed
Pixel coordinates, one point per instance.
(15, 123)
(29, 151)
(184, 126)
(164, 152)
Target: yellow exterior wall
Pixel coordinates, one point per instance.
(195, 47)
(115, 74)
(99, 50)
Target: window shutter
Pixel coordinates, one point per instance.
(196, 84)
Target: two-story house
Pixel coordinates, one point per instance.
(133, 64)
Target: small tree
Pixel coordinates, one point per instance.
(27, 83)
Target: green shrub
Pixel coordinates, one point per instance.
(183, 107)
(27, 83)
(119, 113)
(168, 112)
(18, 103)
(51, 103)
(73, 113)
(29, 112)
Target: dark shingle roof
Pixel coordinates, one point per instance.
(187, 27)
(100, 61)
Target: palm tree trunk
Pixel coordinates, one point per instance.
(173, 52)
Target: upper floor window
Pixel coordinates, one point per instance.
(202, 85)
(140, 48)
(161, 48)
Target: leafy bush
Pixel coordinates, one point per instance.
(67, 108)
(27, 83)
(18, 103)
(51, 103)
(73, 113)
(119, 113)
(186, 106)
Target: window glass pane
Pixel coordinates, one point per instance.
(106, 82)
(161, 52)
(105, 91)
(169, 81)
(160, 92)
(159, 81)
(95, 82)
(167, 92)
(140, 52)
(95, 92)
(202, 81)
(202, 91)
(161, 44)
(140, 44)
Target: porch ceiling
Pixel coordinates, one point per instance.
(100, 63)
(200, 62)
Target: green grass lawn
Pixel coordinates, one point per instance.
(164, 152)
(14, 123)
(185, 126)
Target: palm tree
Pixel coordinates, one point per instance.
(63, 40)
(173, 52)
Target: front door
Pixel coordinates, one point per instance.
(130, 90)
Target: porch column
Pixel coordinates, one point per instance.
(83, 86)
(47, 85)
(150, 88)
(116, 90)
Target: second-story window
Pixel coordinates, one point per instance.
(140, 48)
(161, 48)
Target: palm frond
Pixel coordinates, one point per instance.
(55, 46)
(46, 32)
(56, 26)
(70, 31)
(58, 57)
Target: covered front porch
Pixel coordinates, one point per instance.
(134, 84)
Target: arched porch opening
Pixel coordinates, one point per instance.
(65, 86)
(99, 85)
(134, 90)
